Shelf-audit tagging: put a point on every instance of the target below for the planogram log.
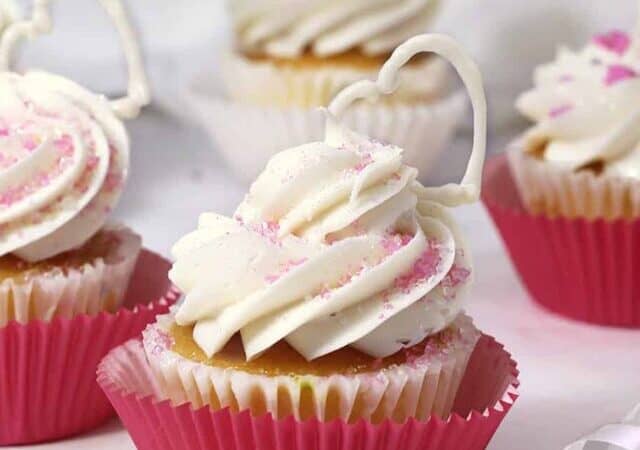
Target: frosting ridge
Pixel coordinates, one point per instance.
(286, 28)
(585, 107)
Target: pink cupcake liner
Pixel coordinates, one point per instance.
(47, 384)
(486, 395)
(582, 269)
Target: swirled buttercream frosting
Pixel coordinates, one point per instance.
(64, 152)
(336, 244)
(585, 107)
(64, 157)
(288, 28)
(332, 246)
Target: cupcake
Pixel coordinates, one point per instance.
(333, 295)
(582, 156)
(572, 184)
(64, 272)
(283, 67)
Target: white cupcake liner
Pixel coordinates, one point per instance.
(424, 387)
(90, 289)
(264, 83)
(547, 189)
(248, 136)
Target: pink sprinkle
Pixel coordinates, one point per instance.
(112, 182)
(423, 269)
(286, 267)
(566, 79)
(560, 110)
(64, 145)
(30, 143)
(4, 132)
(366, 160)
(615, 41)
(617, 73)
(92, 162)
(394, 242)
(268, 229)
(456, 276)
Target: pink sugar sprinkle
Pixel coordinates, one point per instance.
(284, 268)
(456, 276)
(112, 182)
(391, 243)
(366, 160)
(64, 144)
(92, 162)
(30, 143)
(560, 110)
(617, 73)
(4, 132)
(423, 269)
(268, 229)
(615, 41)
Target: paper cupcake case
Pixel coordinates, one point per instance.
(95, 287)
(487, 392)
(269, 83)
(247, 136)
(424, 386)
(47, 388)
(582, 269)
(560, 192)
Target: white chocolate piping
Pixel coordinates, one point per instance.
(39, 23)
(138, 92)
(451, 194)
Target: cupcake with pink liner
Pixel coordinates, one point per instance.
(576, 176)
(332, 299)
(289, 58)
(64, 272)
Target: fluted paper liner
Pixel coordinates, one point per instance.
(427, 385)
(487, 393)
(557, 192)
(247, 136)
(579, 268)
(90, 289)
(263, 82)
(48, 388)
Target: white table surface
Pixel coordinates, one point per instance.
(574, 377)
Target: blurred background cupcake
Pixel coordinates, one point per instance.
(577, 175)
(289, 58)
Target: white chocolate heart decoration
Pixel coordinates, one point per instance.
(468, 190)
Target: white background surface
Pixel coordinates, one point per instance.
(574, 377)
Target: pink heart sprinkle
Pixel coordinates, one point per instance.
(615, 41)
(617, 73)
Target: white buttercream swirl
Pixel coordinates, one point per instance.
(64, 157)
(336, 243)
(64, 152)
(585, 105)
(331, 243)
(287, 28)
